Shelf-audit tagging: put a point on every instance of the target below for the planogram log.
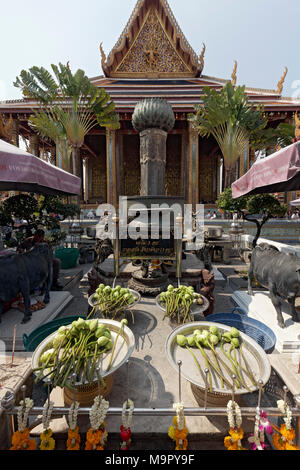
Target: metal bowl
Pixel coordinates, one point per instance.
(123, 351)
(92, 302)
(195, 308)
(254, 354)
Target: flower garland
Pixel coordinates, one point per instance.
(73, 441)
(21, 438)
(126, 425)
(47, 441)
(236, 433)
(178, 432)
(262, 424)
(284, 438)
(96, 436)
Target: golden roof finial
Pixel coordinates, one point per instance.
(234, 76)
(281, 81)
(201, 56)
(103, 56)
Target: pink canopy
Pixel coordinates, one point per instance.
(21, 171)
(279, 172)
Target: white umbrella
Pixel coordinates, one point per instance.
(295, 203)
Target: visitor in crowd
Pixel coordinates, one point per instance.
(295, 215)
(28, 244)
(208, 215)
(214, 215)
(91, 215)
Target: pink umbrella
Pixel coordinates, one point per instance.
(279, 172)
(21, 171)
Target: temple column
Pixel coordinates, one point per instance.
(111, 166)
(53, 155)
(183, 164)
(34, 145)
(15, 133)
(193, 167)
(85, 164)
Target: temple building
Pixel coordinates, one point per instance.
(152, 58)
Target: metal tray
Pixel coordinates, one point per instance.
(123, 351)
(254, 354)
(195, 309)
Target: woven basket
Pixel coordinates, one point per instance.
(85, 394)
(257, 330)
(214, 400)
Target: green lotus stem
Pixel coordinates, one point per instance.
(217, 363)
(239, 368)
(200, 370)
(252, 378)
(210, 363)
(123, 323)
(238, 385)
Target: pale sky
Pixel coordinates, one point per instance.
(262, 35)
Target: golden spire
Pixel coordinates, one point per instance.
(281, 81)
(201, 56)
(103, 56)
(297, 125)
(234, 76)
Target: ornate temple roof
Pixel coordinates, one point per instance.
(152, 58)
(152, 45)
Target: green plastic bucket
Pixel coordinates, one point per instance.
(35, 338)
(68, 257)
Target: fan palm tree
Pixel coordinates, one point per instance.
(228, 117)
(72, 104)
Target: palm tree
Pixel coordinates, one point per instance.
(230, 119)
(72, 104)
(46, 125)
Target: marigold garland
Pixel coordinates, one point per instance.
(47, 441)
(178, 432)
(73, 441)
(21, 438)
(284, 437)
(236, 433)
(96, 436)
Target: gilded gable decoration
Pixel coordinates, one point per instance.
(281, 81)
(234, 75)
(152, 45)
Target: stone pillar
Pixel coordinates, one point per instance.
(112, 191)
(153, 159)
(85, 179)
(34, 145)
(193, 167)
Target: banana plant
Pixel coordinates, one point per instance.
(72, 104)
(230, 119)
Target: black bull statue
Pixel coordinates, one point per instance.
(22, 273)
(280, 274)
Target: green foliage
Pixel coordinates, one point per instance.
(70, 105)
(258, 208)
(230, 119)
(23, 206)
(227, 203)
(46, 211)
(266, 205)
(281, 136)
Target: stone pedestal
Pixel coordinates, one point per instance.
(153, 162)
(259, 307)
